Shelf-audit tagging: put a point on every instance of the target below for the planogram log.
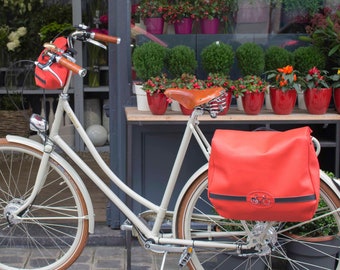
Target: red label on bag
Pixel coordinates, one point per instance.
(261, 199)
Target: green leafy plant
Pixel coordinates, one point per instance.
(324, 32)
(336, 79)
(217, 57)
(180, 59)
(306, 58)
(250, 57)
(13, 102)
(276, 57)
(148, 60)
(50, 31)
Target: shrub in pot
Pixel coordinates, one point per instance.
(306, 58)
(250, 58)
(276, 57)
(148, 60)
(217, 57)
(180, 59)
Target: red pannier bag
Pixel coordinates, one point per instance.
(56, 78)
(264, 175)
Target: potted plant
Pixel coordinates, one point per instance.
(221, 80)
(250, 59)
(251, 89)
(276, 57)
(284, 85)
(308, 57)
(152, 11)
(180, 59)
(154, 88)
(317, 91)
(318, 241)
(212, 12)
(336, 89)
(181, 14)
(187, 81)
(217, 57)
(323, 32)
(148, 61)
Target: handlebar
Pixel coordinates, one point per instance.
(71, 66)
(104, 38)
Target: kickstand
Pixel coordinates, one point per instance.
(163, 260)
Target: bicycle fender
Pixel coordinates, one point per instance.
(193, 177)
(334, 184)
(38, 146)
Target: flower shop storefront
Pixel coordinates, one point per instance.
(142, 146)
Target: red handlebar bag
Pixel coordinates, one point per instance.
(56, 77)
(264, 175)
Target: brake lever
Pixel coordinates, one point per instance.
(96, 43)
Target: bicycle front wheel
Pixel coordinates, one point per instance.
(197, 220)
(53, 230)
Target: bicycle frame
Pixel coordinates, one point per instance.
(160, 210)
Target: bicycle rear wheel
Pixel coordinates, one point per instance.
(53, 230)
(197, 220)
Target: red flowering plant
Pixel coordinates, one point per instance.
(210, 9)
(284, 78)
(156, 84)
(248, 84)
(188, 81)
(316, 78)
(175, 13)
(218, 79)
(151, 8)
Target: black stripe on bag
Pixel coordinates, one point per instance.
(227, 197)
(277, 200)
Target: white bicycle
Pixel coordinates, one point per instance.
(46, 208)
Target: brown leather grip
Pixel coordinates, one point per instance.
(106, 38)
(71, 66)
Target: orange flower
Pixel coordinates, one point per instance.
(286, 70)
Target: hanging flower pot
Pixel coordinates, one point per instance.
(184, 26)
(317, 100)
(210, 26)
(252, 102)
(154, 25)
(158, 103)
(336, 97)
(283, 102)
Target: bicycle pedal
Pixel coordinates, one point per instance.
(185, 257)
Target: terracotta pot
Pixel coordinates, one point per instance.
(252, 102)
(317, 100)
(210, 26)
(184, 26)
(283, 102)
(186, 111)
(154, 25)
(336, 97)
(158, 103)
